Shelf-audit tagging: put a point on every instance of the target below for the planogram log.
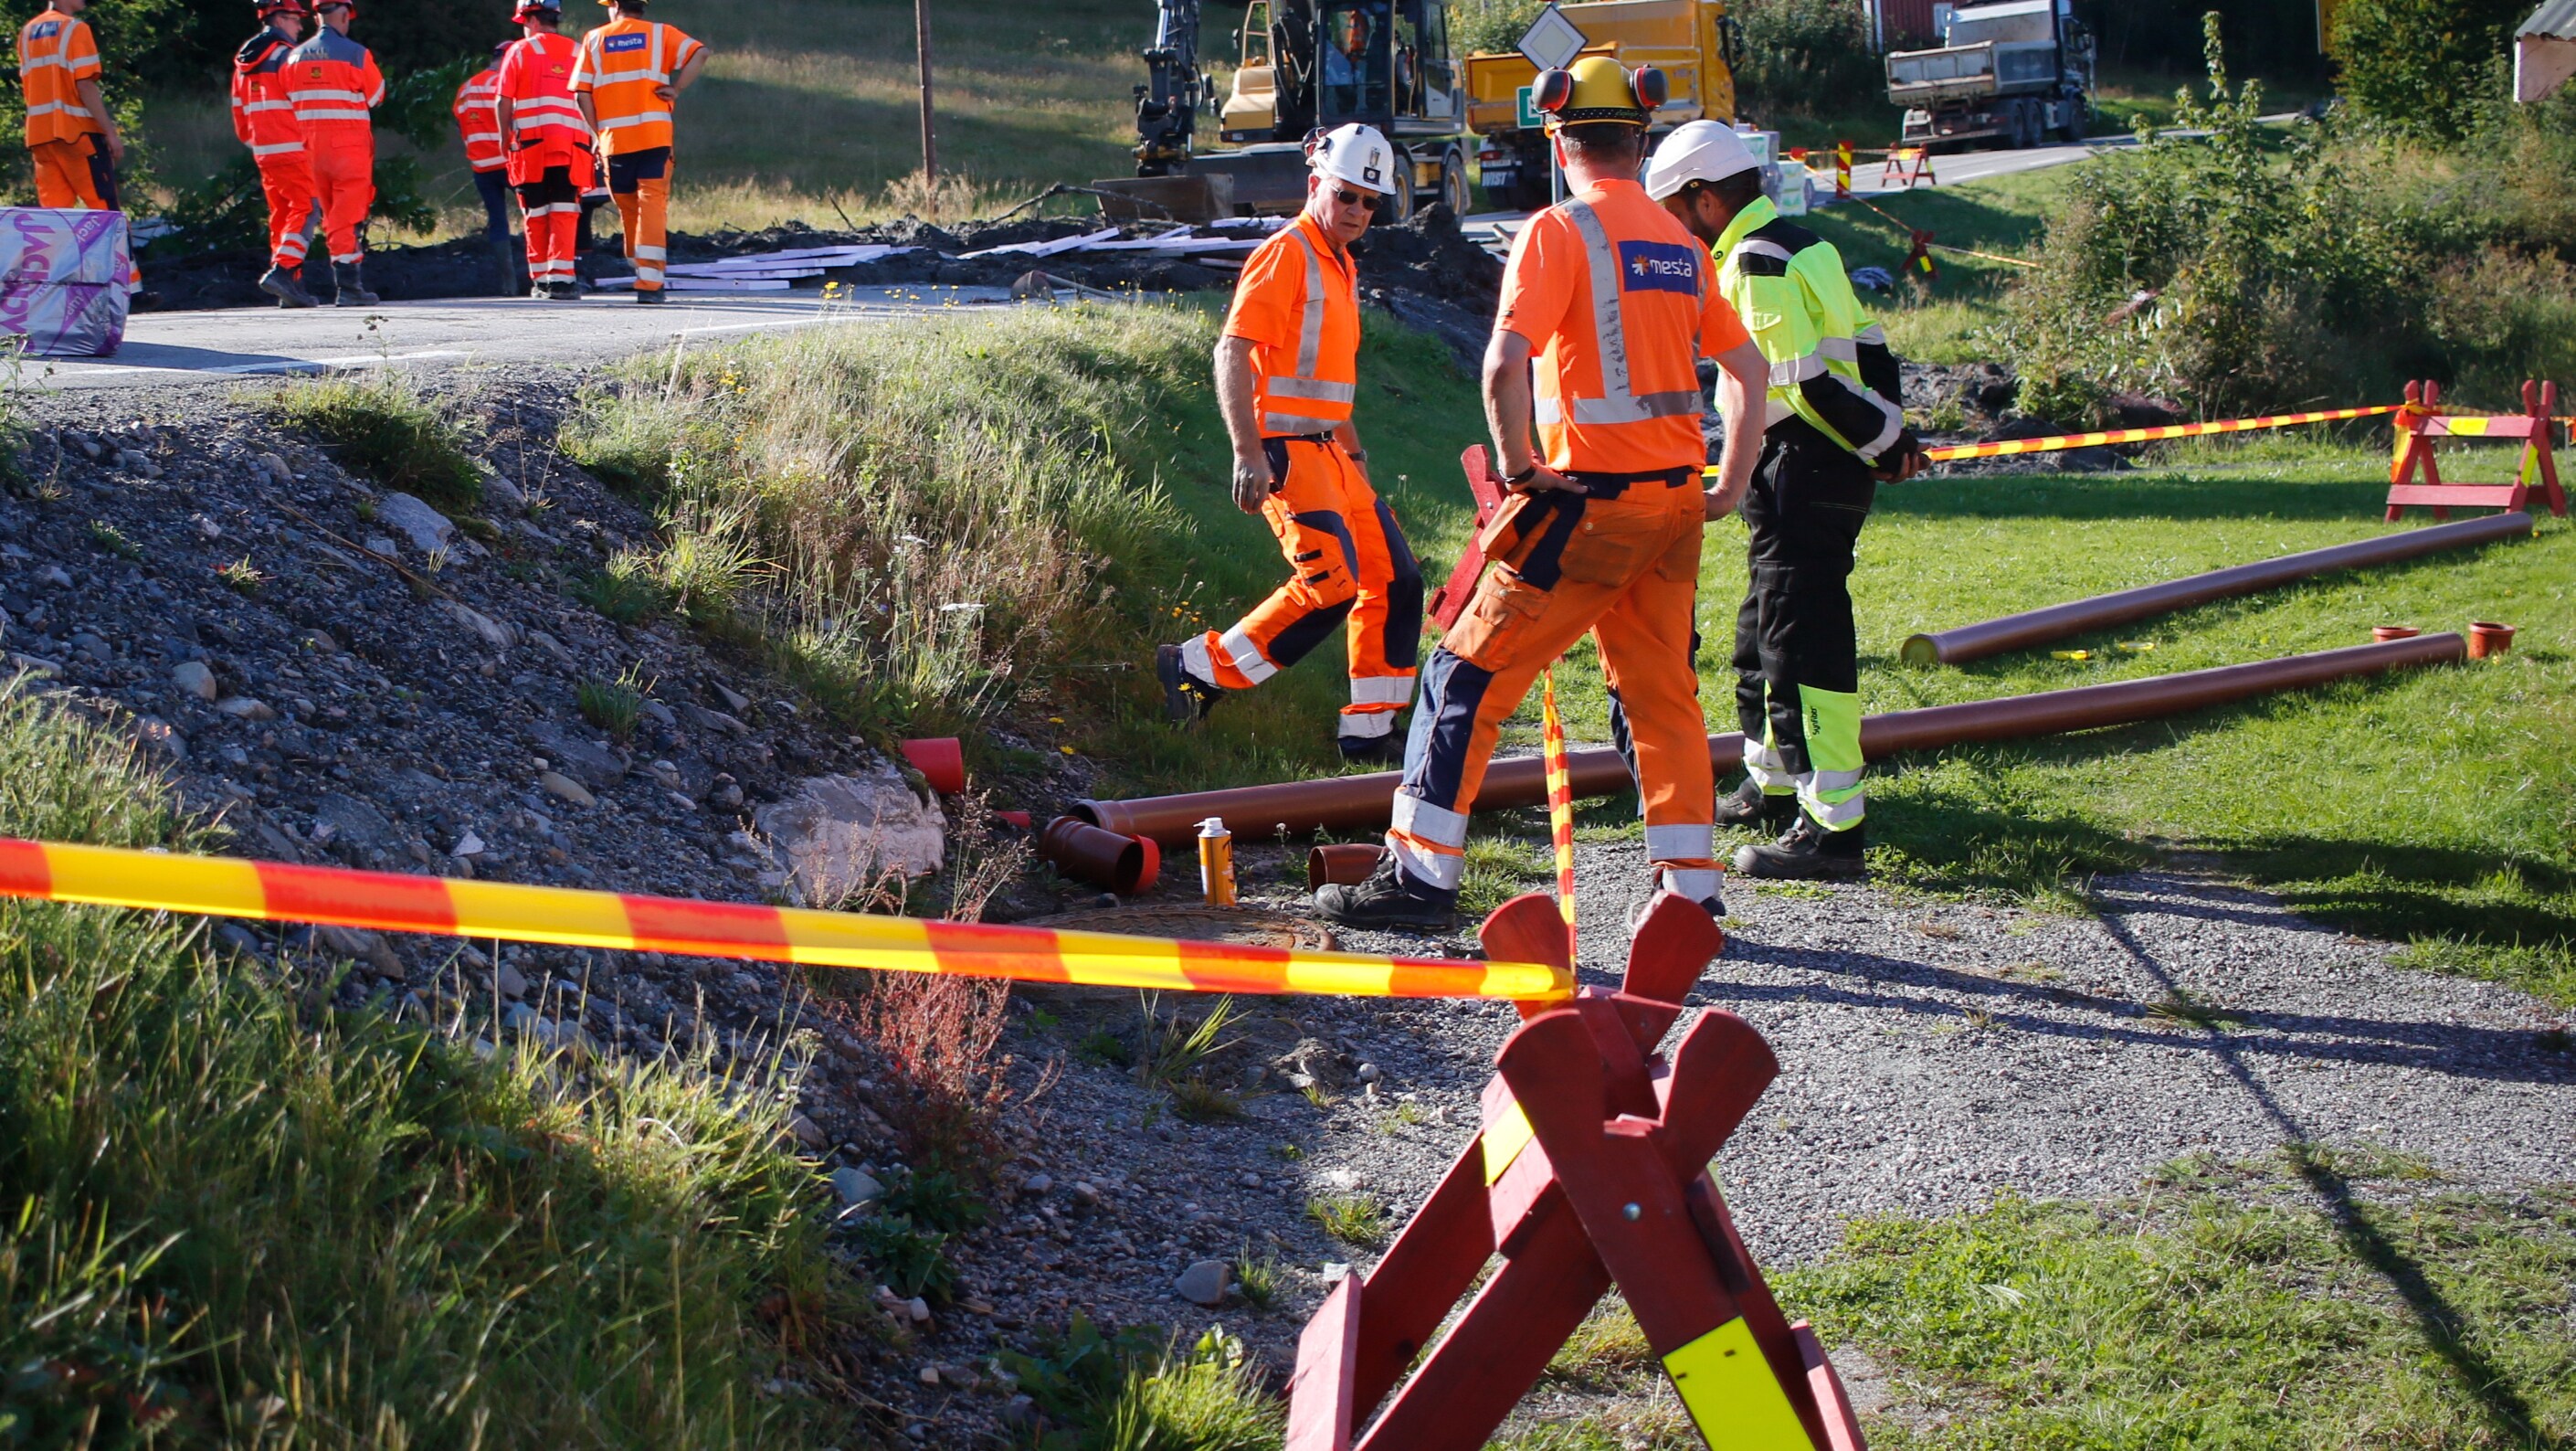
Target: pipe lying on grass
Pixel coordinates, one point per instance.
(2057, 622)
(1362, 803)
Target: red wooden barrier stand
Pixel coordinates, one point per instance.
(1602, 1180)
(1487, 487)
(1908, 164)
(2421, 421)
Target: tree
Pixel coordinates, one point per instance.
(2423, 68)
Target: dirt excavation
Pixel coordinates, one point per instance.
(344, 674)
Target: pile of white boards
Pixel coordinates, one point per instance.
(763, 271)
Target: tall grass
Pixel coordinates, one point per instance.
(943, 503)
(229, 1216)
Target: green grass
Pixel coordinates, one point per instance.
(237, 1217)
(382, 429)
(1354, 1219)
(2295, 1305)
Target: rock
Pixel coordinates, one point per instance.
(855, 1188)
(161, 739)
(514, 983)
(195, 677)
(272, 468)
(929, 1375)
(955, 1377)
(838, 835)
(701, 718)
(94, 647)
(243, 707)
(1084, 1195)
(319, 642)
(559, 784)
(1248, 1179)
(1037, 1184)
(382, 544)
(469, 844)
(595, 766)
(500, 489)
(56, 575)
(552, 646)
(733, 701)
(428, 530)
(919, 1309)
(353, 820)
(485, 628)
(1205, 1282)
(808, 1132)
(1369, 1073)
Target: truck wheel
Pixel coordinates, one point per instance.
(1453, 183)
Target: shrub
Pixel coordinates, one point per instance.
(1805, 57)
(2424, 68)
(2505, 316)
(1491, 27)
(938, 1033)
(383, 429)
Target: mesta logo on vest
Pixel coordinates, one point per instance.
(616, 43)
(1658, 267)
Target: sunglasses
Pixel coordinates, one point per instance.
(1366, 201)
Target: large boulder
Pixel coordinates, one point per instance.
(836, 837)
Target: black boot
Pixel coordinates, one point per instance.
(350, 286)
(1186, 698)
(287, 288)
(1806, 852)
(1753, 806)
(1389, 899)
(1382, 750)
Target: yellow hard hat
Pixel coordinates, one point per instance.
(1597, 88)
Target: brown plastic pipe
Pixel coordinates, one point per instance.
(2057, 622)
(1362, 803)
(1124, 864)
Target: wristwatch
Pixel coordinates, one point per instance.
(1523, 477)
(1356, 455)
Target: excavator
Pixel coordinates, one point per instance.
(1301, 66)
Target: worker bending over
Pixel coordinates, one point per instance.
(478, 123)
(264, 121)
(1836, 431)
(632, 71)
(72, 138)
(550, 146)
(334, 84)
(1287, 371)
(1602, 532)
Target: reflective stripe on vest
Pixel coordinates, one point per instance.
(1305, 386)
(1610, 336)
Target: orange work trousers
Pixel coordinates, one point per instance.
(287, 181)
(344, 176)
(1349, 565)
(74, 175)
(1621, 564)
(641, 184)
(551, 198)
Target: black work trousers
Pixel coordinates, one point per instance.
(1808, 500)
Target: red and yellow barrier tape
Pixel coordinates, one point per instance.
(2055, 442)
(384, 901)
(1560, 803)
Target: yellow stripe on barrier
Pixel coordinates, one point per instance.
(2057, 442)
(331, 896)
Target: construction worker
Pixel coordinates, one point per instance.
(264, 120)
(478, 123)
(334, 84)
(1837, 431)
(631, 73)
(1287, 370)
(550, 146)
(1607, 306)
(71, 134)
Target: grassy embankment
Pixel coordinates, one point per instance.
(811, 103)
(231, 1216)
(2328, 1299)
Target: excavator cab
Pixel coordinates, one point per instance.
(1310, 64)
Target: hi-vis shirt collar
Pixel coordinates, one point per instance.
(1757, 213)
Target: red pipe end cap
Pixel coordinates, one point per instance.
(2486, 638)
(941, 760)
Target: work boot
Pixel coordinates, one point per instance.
(287, 288)
(1388, 899)
(1382, 750)
(1806, 852)
(563, 291)
(1186, 698)
(1753, 806)
(350, 286)
(653, 295)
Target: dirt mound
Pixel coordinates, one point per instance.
(1431, 256)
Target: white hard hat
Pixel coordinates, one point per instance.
(1697, 151)
(1355, 154)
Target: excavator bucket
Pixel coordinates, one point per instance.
(1193, 199)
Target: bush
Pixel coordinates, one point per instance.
(1491, 27)
(1806, 57)
(385, 430)
(2424, 68)
(2507, 316)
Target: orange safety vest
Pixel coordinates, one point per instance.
(623, 66)
(333, 81)
(263, 114)
(476, 122)
(1307, 387)
(1620, 303)
(55, 53)
(537, 77)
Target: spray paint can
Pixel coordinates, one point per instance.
(1216, 862)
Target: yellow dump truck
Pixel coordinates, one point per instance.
(1693, 42)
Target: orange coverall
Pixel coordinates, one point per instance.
(334, 83)
(1618, 303)
(1298, 304)
(264, 120)
(56, 52)
(550, 160)
(624, 66)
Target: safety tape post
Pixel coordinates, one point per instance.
(2056, 442)
(1560, 804)
(560, 916)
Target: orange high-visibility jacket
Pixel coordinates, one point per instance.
(55, 53)
(623, 65)
(475, 120)
(537, 77)
(1298, 304)
(263, 114)
(333, 81)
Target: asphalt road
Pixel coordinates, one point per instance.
(166, 348)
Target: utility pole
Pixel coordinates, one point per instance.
(929, 139)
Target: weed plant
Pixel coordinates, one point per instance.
(614, 706)
(1135, 1391)
(1356, 1219)
(235, 1219)
(384, 429)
